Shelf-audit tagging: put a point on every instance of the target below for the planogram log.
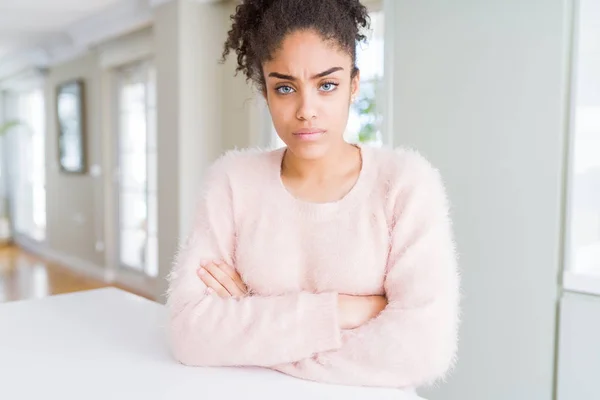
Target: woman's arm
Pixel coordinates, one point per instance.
(413, 341)
(208, 330)
(353, 311)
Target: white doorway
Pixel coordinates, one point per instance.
(24, 167)
(136, 183)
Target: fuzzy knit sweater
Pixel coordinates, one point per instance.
(390, 235)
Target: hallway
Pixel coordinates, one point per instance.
(26, 276)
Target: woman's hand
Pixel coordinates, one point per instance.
(354, 311)
(222, 279)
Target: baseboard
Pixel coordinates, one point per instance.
(139, 283)
(142, 284)
(77, 265)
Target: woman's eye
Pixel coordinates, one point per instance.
(329, 86)
(285, 89)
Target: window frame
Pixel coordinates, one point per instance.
(571, 280)
(131, 273)
(13, 93)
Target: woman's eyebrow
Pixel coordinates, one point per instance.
(328, 72)
(319, 75)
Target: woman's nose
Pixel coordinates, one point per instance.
(307, 110)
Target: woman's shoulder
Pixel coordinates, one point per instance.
(403, 165)
(243, 161)
(404, 174)
(237, 167)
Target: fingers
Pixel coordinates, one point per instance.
(212, 283)
(235, 277)
(223, 279)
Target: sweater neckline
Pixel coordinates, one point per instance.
(322, 209)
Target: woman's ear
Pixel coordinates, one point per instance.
(263, 90)
(355, 86)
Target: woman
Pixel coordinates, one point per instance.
(323, 260)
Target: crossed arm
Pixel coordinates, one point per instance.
(405, 340)
(224, 281)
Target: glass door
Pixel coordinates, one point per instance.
(25, 164)
(136, 169)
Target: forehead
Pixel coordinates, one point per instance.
(305, 52)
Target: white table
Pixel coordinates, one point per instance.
(110, 344)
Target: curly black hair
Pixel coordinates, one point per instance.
(259, 27)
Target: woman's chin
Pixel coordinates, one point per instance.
(308, 150)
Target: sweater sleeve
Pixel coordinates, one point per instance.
(206, 330)
(413, 341)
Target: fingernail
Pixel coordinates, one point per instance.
(201, 271)
(209, 290)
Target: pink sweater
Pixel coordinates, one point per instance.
(390, 235)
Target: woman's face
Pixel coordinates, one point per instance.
(308, 90)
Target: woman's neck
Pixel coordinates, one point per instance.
(338, 161)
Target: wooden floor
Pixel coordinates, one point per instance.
(25, 276)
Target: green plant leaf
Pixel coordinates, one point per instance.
(7, 126)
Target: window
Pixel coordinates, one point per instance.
(365, 118)
(137, 189)
(583, 208)
(27, 176)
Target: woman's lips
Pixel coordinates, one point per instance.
(309, 133)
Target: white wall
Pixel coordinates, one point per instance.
(74, 203)
(202, 110)
(579, 347)
(479, 89)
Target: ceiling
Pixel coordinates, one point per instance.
(25, 23)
